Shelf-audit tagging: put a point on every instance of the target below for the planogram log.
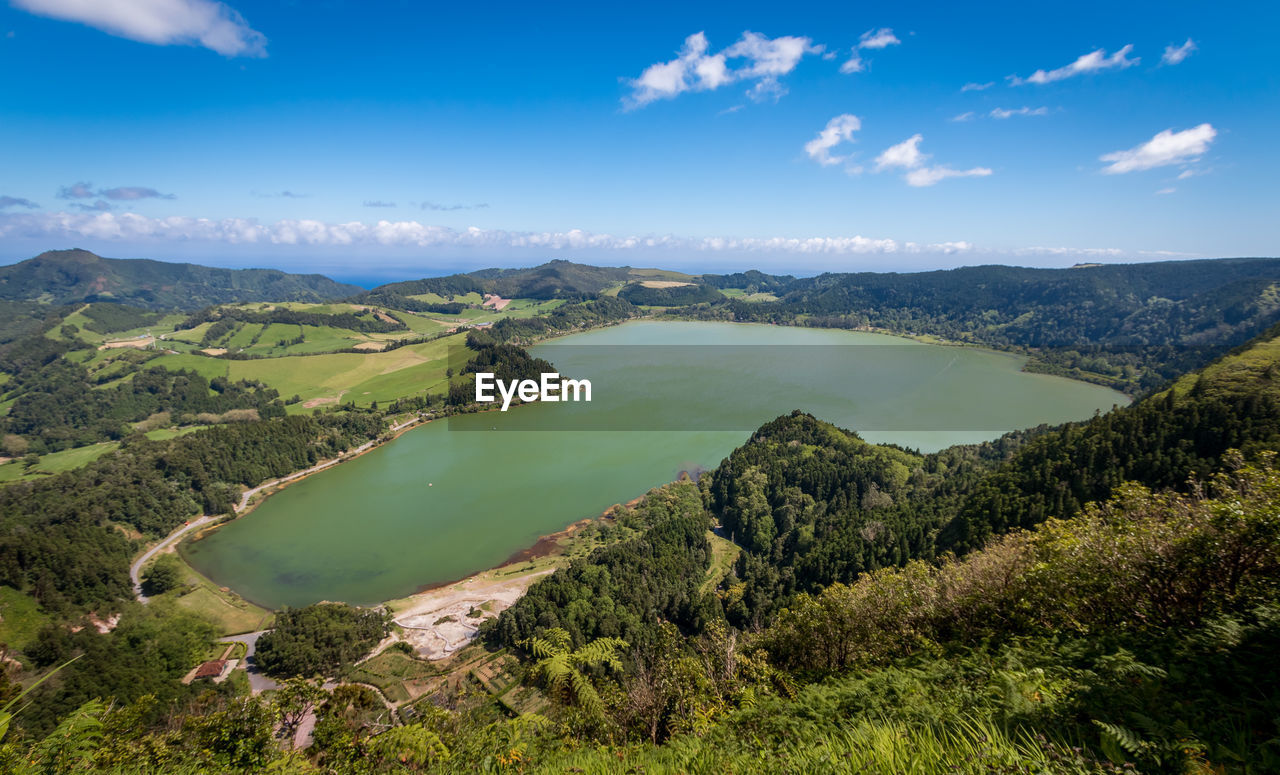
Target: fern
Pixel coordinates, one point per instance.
(1117, 740)
(561, 670)
(73, 741)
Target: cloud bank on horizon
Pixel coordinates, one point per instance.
(132, 228)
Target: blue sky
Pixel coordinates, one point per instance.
(405, 138)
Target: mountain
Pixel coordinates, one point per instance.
(552, 280)
(75, 276)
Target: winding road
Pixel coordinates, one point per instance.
(135, 570)
(258, 682)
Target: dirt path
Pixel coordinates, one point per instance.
(135, 570)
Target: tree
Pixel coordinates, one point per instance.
(164, 575)
(14, 445)
(294, 700)
(320, 639)
(562, 670)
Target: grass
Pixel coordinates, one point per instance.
(231, 613)
(55, 462)
(958, 746)
(161, 434)
(192, 335)
(663, 274)
(362, 377)
(724, 553)
(205, 366)
(420, 323)
(1240, 373)
(20, 618)
(462, 298)
(390, 670)
(242, 337)
(741, 294)
(162, 326)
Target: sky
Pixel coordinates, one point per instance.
(400, 139)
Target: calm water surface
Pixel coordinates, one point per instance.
(458, 496)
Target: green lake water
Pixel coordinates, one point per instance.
(460, 495)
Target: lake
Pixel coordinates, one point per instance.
(461, 495)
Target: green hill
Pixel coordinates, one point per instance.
(552, 280)
(74, 276)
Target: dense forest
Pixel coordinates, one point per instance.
(678, 296)
(627, 589)
(58, 539)
(319, 640)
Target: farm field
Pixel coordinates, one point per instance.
(741, 294)
(363, 378)
(55, 462)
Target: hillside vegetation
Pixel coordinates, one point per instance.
(72, 276)
(1097, 597)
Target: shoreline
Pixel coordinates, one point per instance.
(441, 619)
(546, 545)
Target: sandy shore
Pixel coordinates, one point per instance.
(439, 622)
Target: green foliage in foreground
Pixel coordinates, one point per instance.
(1138, 637)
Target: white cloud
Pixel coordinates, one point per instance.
(1092, 62)
(968, 115)
(1168, 190)
(905, 154)
(1002, 113)
(162, 22)
(838, 130)
(1167, 147)
(881, 38)
(766, 60)
(853, 64)
(872, 39)
(908, 156)
(1174, 55)
(977, 86)
(927, 176)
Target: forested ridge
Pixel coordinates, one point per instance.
(1130, 326)
(76, 276)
